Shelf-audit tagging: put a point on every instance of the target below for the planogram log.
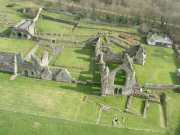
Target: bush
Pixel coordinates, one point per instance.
(76, 1)
(11, 5)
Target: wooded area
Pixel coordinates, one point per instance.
(144, 8)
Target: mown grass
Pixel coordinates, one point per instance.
(65, 101)
(14, 123)
(78, 61)
(16, 46)
(173, 113)
(160, 66)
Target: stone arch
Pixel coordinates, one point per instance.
(25, 36)
(130, 82)
(120, 77)
(117, 85)
(32, 73)
(26, 73)
(19, 35)
(14, 34)
(117, 91)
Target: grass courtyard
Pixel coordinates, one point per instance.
(160, 66)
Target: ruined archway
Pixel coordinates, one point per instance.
(19, 35)
(120, 77)
(119, 81)
(26, 73)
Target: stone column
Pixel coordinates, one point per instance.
(15, 65)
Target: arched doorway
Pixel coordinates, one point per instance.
(19, 35)
(119, 81)
(120, 78)
(26, 73)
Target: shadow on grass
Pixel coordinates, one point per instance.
(173, 74)
(91, 74)
(174, 78)
(177, 131)
(86, 89)
(6, 33)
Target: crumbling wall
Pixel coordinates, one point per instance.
(125, 60)
(29, 68)
(7, 63)
(14, 63)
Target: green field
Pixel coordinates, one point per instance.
(38, 107)
(68, 102)
(160, 66)
(16, 46)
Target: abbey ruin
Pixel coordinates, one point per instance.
(105, 57)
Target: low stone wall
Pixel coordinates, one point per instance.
(55, 41)
(58, 20)
(161, 86)
(62, 35)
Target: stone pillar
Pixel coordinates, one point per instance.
(15, 65)
(146, 106)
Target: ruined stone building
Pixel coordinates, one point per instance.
(124, 61)
(25, 29)
(15, 64)
(104, 57)
(158, 39)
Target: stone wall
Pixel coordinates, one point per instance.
(14, 63)
(164, 87)
(7, 63)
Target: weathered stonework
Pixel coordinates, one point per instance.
(7, 63)
(125, 60)
(14, 63)
(64, 75)
(47, 74)
(25, 29)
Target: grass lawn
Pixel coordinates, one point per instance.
(64, 101)
(77, 60)
(160, 66)
(173, 112)
(16, 46)
(14, 123)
